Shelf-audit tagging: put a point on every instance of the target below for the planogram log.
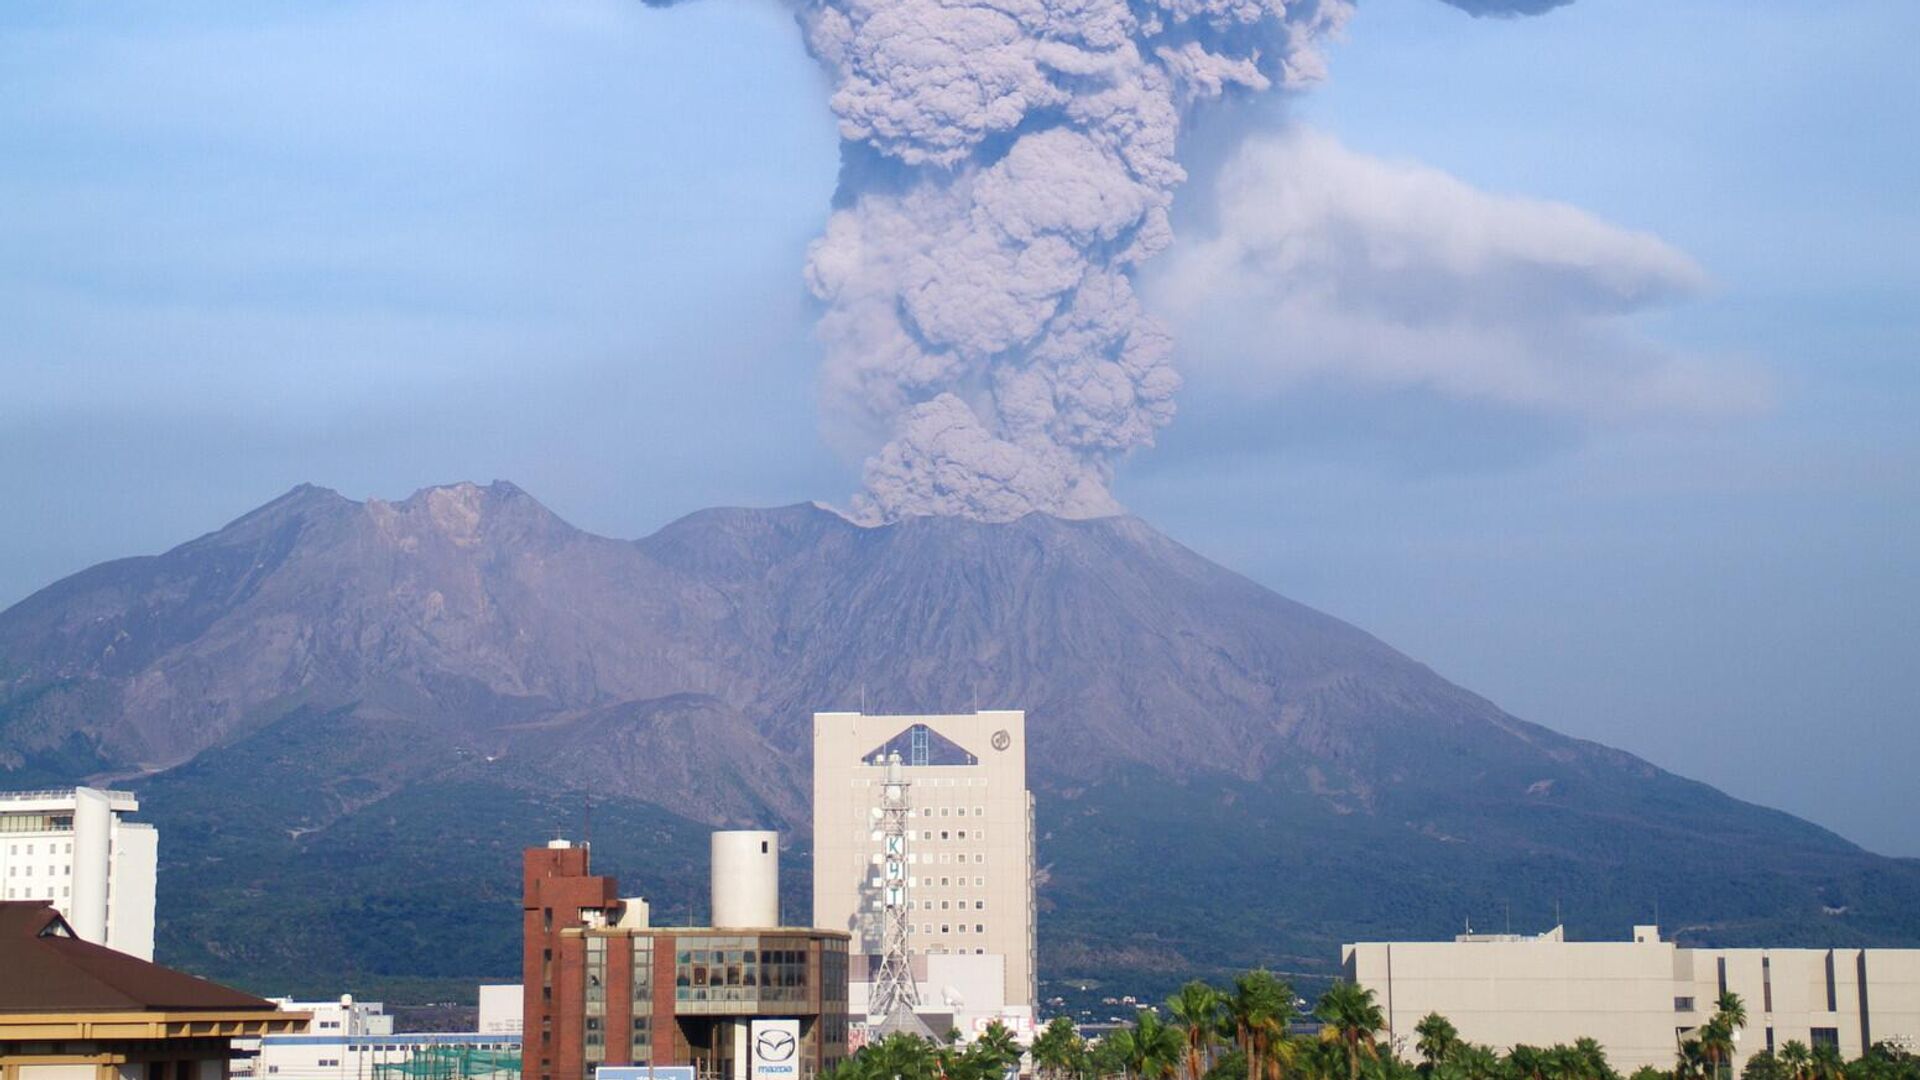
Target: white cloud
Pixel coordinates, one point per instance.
(1327, 264)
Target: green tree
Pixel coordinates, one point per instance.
(1648, 1072)
(1149, 1050)
(994, 1049)
(1438, 1039)
(1826, 1064)
(1058, 1049)
(1764, 1065)
(1526, 1062)
(1468, 1061)
(1796, 1059)
(1716, 1044)
(1198, 1011)
(1349, 1009)
(1257, 1013)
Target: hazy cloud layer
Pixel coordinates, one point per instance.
(1508, 8)
(1329, 264)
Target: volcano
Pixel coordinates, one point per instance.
(348, 717)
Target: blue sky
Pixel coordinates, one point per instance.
(380, 248)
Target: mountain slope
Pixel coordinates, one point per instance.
(395, 696)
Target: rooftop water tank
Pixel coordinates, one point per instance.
(746, 879)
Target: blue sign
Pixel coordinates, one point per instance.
(643, 1072)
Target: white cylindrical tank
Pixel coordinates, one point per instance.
(746, 879)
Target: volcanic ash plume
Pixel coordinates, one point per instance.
(1007, 165)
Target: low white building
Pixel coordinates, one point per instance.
(1638, 998)
(355, 1040)
(75, 847)
(957, 992)
(500, 1007)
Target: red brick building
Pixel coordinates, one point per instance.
(605, 988)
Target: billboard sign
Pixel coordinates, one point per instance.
(775, 1046)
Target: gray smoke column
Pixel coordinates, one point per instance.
(1007, 165)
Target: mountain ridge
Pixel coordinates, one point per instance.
(322, 661)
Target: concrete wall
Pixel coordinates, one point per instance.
(971, 845)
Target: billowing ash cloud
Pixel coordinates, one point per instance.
(1009, 163)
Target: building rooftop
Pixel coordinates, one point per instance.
(49, 970)
(119, 800)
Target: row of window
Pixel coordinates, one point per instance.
(958, 811)
(961, 928)
(928, 883)
(14, 871)
(53, 848)
(953, 834)
(978, 905)
(950, 857)
(36, 823)
(27, 893)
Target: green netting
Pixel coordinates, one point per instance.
(453, 1063)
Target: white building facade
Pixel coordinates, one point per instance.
(970, 854)
(75, 847)
(1640, 998)
(355, 1040)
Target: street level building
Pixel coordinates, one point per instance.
(605, 989)
(75, 848)
(74, 1010)
(969, 852)
(1640, 998)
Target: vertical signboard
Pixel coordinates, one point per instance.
(776, 1049)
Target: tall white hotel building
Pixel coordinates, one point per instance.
(74, 847)
(971, 855)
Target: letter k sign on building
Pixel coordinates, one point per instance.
(776, 1049)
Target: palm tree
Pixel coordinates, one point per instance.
(1258, 1012)
(1468, 1061)
(1716, 1043)
(1058, 1048)
(1196, 1010)
(1349, 1009)
(1734, 1009)
(1826, 1063)
(1690, 1061)
(1797, 1059)
(901, 1055)
(1527, 1062)
(996, 1047)
(1149, 1050)
(1438, 1039)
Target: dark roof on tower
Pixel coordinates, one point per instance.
(50, 970)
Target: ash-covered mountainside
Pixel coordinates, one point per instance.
(337, 709)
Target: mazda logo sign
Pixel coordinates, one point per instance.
(774, 1046)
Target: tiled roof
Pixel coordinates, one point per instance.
(50, 970)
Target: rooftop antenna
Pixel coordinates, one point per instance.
(587, 826)
(1509, 904)
(1556, 912)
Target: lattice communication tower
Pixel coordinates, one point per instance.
(894, 995)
